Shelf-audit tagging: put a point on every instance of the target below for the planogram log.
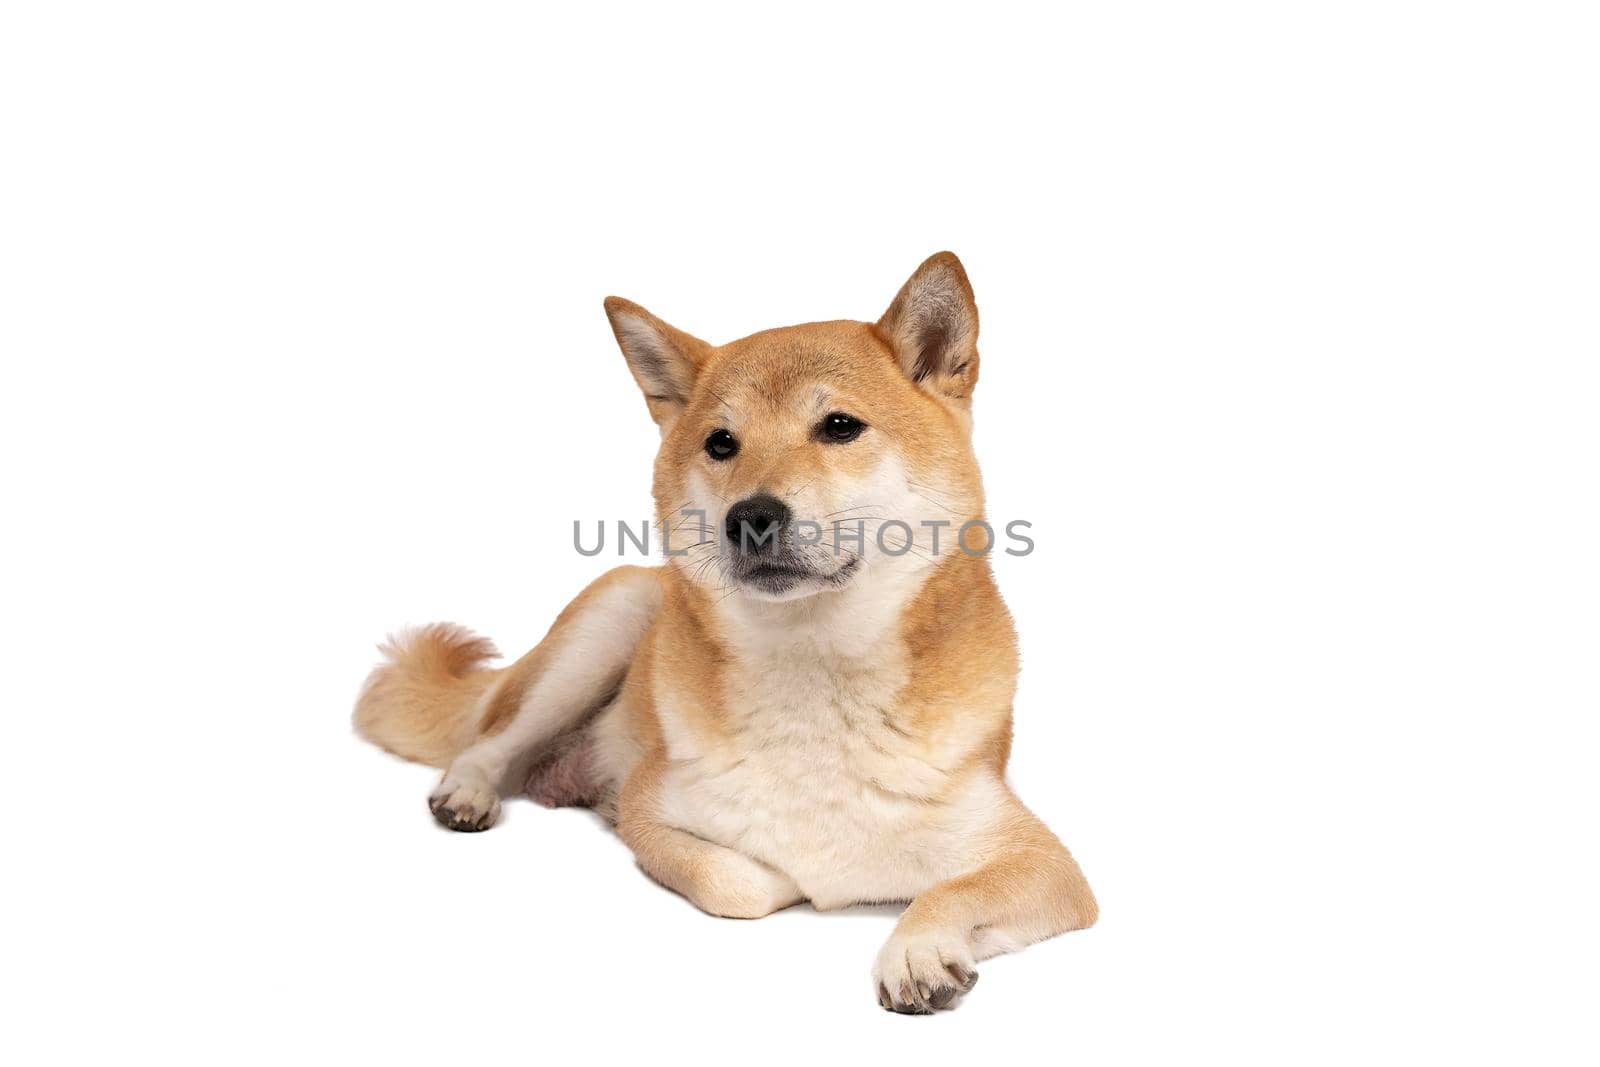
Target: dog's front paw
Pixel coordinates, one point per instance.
(734, 886)
(465, 800)
(923, 972)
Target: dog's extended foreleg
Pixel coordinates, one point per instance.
(1029, 888)
(551, 690)
(715, 879)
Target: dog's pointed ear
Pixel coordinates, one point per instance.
(932, 326)
(664, 360)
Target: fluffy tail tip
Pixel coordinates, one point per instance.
(439, 647)
(421, 703)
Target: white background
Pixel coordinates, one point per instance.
(1289, 335)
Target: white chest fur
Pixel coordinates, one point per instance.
(817, 775)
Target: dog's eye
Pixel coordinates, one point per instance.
(721, 444)
(841, 427)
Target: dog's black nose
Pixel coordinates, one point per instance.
(754, 523)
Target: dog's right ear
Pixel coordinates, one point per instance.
(664, 360)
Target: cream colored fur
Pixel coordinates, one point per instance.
(840, 739)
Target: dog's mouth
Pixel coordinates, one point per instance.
(776, 577)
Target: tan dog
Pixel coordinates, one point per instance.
(776, 716)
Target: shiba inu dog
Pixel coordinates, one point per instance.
(811, 700)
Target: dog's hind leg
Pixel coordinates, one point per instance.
(547, 694)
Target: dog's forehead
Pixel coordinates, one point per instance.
(798, 367)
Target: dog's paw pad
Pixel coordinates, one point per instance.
(918, 974)
(464, 805)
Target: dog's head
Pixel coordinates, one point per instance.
(809, 458)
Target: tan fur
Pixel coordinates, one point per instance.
(434, 698)
(846, 742)
(421, 704)
(508, 695)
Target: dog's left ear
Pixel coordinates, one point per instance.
(933, 328)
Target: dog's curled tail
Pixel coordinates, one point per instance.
(425, 702)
